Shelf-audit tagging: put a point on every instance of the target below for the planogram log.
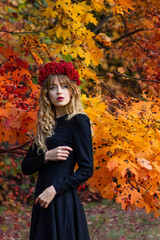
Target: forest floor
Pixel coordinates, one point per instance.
(106, 221)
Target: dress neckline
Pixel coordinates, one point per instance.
(62, 117)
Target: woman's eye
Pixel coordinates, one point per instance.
(62, 86)
(52, 88)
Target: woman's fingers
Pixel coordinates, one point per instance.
(58, 153)
(40, 198)
(46, 205)
(46, 197)
(65, 148)
(61, 158)
(63, 152)
(43, 204)
(37, 199)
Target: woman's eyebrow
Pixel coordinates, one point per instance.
(53, 84)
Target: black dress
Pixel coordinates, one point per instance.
(64, 218)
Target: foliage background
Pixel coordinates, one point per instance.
(115, 46)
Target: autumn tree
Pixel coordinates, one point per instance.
(114, 45)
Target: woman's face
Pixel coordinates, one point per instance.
(59, 94)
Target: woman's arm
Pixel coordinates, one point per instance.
(33, 161)
(83, 153)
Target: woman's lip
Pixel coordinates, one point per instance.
(60, 98)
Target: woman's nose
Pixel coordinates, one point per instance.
(59, 89)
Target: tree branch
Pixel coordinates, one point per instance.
(112, 93)
(13, 150)
(135, 78)
(11, 32)
(128, 35)
(14, 184)
(102, 22)
(120, 38)
(127, 85)
(10, 151)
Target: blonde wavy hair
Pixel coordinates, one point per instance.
(46, 114)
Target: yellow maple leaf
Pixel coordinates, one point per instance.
(65, 49)
(51, 32)
(87, 74)
(77, 51)
(87, 59)
(88, 17)
(58, 31)
(90, 56)
(98, 5)
(49, 13)
(85, 6)
(65, 34)
(63, 3)
(57, 47)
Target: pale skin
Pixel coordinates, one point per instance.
(59, 153)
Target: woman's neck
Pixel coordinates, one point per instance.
(60, 114)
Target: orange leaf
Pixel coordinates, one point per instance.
(37, 59)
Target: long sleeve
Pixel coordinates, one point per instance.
(83, 153)
(32, 161)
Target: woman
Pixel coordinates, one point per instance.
(63, 139)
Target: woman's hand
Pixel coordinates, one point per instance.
(46, 196)
(58, 153)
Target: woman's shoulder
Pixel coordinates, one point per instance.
(80, 117)
(80, 121)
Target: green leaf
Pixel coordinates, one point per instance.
(21, 1)
(67, 57)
